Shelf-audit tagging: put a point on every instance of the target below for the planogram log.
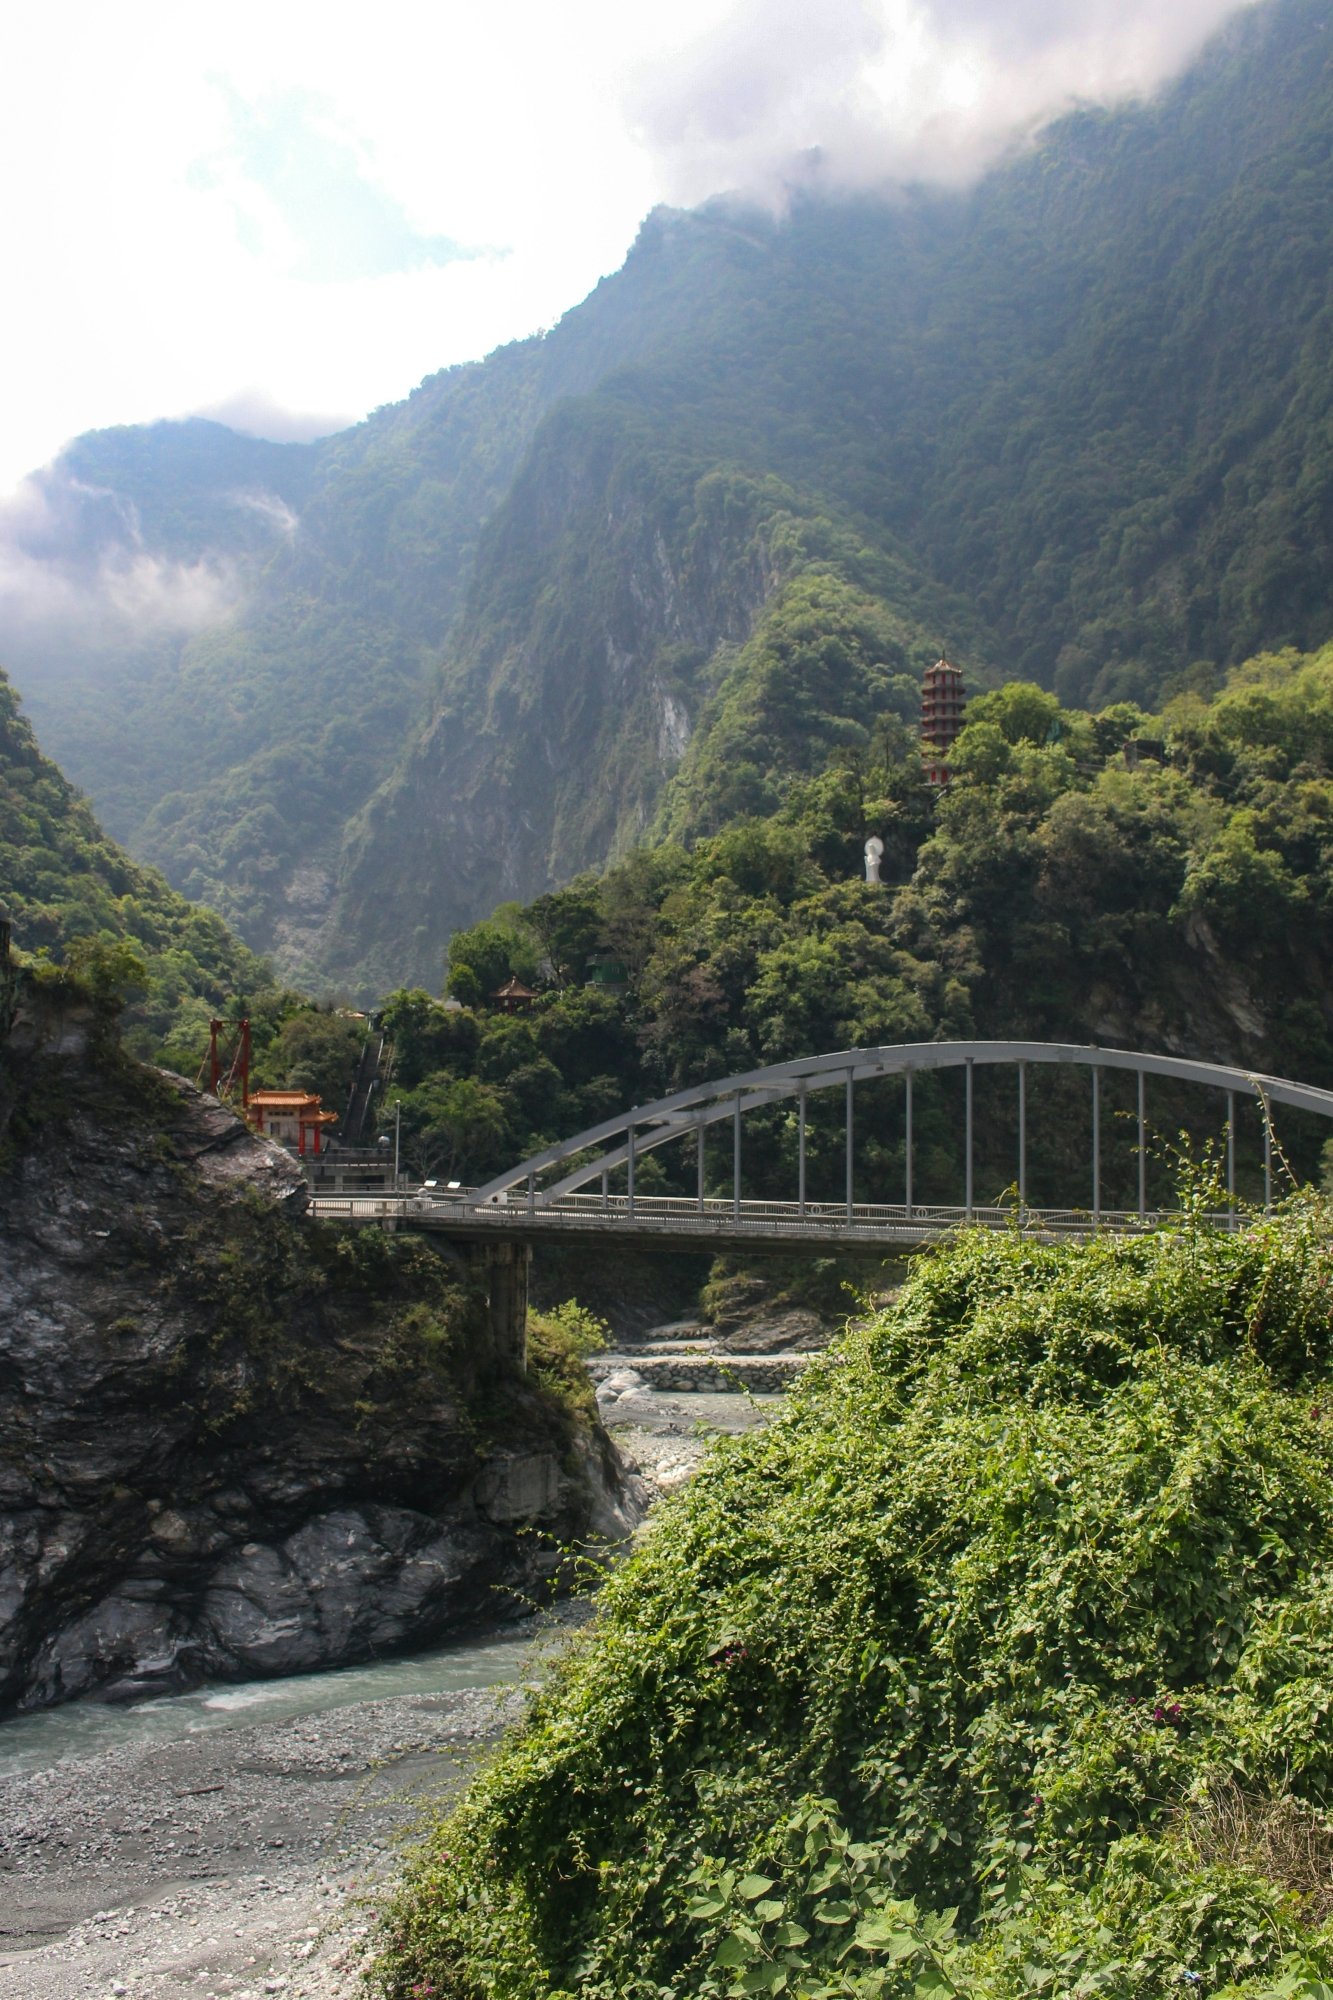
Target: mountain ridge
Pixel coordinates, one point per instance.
(1077, 421)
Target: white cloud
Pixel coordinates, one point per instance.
(146, 591)
(254, 412)
(270, 507)
(74, 566)
(864, 93)
(260, 207)
(124, 593)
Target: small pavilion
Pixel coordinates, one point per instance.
(513, 997)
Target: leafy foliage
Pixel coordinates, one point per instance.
(131, 941)
(917, 1690)
(1062, 887)
(73, 892)
(585, 1332)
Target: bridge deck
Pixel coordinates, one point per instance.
(669, 1220)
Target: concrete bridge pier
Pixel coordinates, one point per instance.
(502, 1270)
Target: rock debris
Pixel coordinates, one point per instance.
(235, 1863)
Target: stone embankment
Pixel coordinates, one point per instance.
(685, 1374)
(664, 1396)
(762, 1358)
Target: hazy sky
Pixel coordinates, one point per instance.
(287, 214)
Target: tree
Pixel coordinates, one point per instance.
(319, 1051)
(486, 955)
(427, 1036)
(455, 1124)
(109, 967)
(568, 925)
(1021, 711)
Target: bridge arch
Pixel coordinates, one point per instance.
(622, 1141)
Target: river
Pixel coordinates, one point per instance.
(224, 1842)
(82, 1729)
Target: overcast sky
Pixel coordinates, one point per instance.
(286, 214)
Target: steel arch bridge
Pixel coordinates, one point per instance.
(566, 1189)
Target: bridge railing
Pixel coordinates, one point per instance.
(650, 1215)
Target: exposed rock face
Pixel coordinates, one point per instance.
(792, 1330)
(233, 1441)
(467, 817)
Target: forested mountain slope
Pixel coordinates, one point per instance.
(1176, 896)
(1076, 421)
(74, 898)
(85, 914)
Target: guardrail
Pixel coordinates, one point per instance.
(649, 1215)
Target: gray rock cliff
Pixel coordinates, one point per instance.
(234, 1442)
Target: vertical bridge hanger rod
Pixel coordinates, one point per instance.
(601, 1149)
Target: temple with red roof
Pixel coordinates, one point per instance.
(292, 1117)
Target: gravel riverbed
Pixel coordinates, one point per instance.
(246, 1861)
(238, 1863)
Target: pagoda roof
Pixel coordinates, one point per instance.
(513, 989)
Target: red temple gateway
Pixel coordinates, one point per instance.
(292, 1117)
(942, 705)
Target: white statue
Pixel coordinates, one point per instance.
(874, 855)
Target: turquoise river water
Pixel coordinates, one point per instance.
(84, 1728)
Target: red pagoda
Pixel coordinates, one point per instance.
(942, 705)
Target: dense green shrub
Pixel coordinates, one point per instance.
(929, 1685)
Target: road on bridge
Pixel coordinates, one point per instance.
(669, 1221)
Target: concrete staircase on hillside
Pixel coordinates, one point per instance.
(363, 1090)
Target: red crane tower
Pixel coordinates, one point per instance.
(228, 1063)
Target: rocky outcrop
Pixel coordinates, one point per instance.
(563, 713)
(786, 1330)
(235, 1442)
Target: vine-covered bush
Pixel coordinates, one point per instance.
(1001, 1664)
